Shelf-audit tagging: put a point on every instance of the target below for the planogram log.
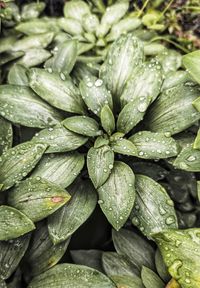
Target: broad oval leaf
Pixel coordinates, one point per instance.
(107, 120)
(22, 106)
(32, 10)
(173, 113)
(117, 194)
(13, 223)
(59, 139)
(124, 146)
(17, 162)
(62, 94)
(127, 281)
(150, 279)
(11, 253)
(70, 217)
(188, 159)
(181, 253)
(152, 145)
(175, 78)
(90, 258)
(95, 94)
(76, 9)
(100, 163)
(133, 246)
(34, 57)
(153, 210)
(192, 63)
(71, 26)
(37, 198)
(145, 82)
(161, 267)
(17, 75)
(42, 253)
(66, 274)
(6, 135)
(170, 60)
(115, 264)
(62, 169)
(83, 125)
(125, 54)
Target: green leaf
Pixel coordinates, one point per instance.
(196, 142)
(134, 247)
(60, 93)
(132, 114)
(175, 78)
(90, 22)
(161, 267)
(3, 284)
(95, 94)
(17, 75)
(145, 83)
(13, 223)
(17, 162)
(191, 61)
(150, 145)
(188, 159)
(6, 133)
(198, 189)
(127, 281)
(117, 194)
(56, 167)
(100, 163)
(124, 146)
(153, 210)
(115, 264)
(11, 253)
(33, 41)
(170, 60)
(125, 54)
(150, 279)
(42, 253)
(83, 125)
(37, 26)
(107, 119)
(71, 26)
(173, 113)
(37, 198)
(59, 139)
(196, 104)
(7, 42)
(90, 258)
(32, 10)
(153, 49)
(66, 274)
(34, 57)
(65, 57)
(70, 217)
(76, 9)
(26, 108)
(181, 253)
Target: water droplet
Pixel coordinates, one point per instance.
(98, 82)
(170, 220)
(100, 201)
(191, 158)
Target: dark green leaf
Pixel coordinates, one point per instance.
(152, 170)
(6, 135)
(56, 168)
(17, 162)
(188, 159)
(37, 198)
(150, 279)
(107, 120)
(59, 139)
(22, 106)
(83, 125)
(71, 275)
(70, 217)
(127, 281)
(100, 163)
(117, 194)
(134, 247)
(90, 258)
(161, 267)
(13, 223)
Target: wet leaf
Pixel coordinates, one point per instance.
(34, 57)
(17, 162)
(100, 163)
(83, 125)
(181, 253)
(59, 139)
(175, 78)
(6, 135)
(70, 217)
(192, 64)
(107, 120)
(124, 146)
(42, 253)
(56, 167)
(152, 170)
(161, 267)
(13, 223)
(134, 247)
(117, 194)
(170, 60)
(32, 10)
(22, 106)
(37, 26)
(150, 279)
(151, 145)
(11, 253)
(197, 141)
(66, 274)
(76, 9)
(71, 26)
(90, 258)
(188, 159)
(17, 75)
(127, 281)
(60, 93)
(37, 198)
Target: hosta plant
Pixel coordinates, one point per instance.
(120, 135)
